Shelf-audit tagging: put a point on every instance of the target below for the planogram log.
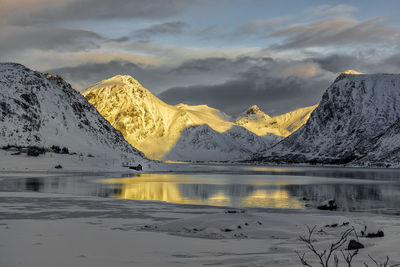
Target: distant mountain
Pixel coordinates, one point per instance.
(260, 123)
(154, 127)
(202, 143)
(352, 119)
(43, 110)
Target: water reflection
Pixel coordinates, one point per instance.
(272, 198)
(186, 189)
(293, 188)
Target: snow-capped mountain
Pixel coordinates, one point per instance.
(154, 127)
(146, 122)
(43, 110)
(260, 123)
(202, 143)
(353, 112)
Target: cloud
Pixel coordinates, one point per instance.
(276, 86)
(260, 27)
(337, 63)
(84, 75)
(274, 95)
(329, 10)
(230, 84)
(234, 84)
(336, 33)
(154, 77)
(173, 28)
(371, 62)
(8, 7)
(16, 39)
(57, 11)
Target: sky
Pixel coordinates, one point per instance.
(228, 54)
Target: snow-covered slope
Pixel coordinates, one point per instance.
(154, 127)
(260, 123)
(384, 149)
(43, 110)
(202, 143)
(146, 122)
(353, 111)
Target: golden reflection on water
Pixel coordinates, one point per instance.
(272, 198)
(166, 187)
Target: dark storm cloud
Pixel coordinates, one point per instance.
(336, 32)
(393, 63)
(155, 78)
(338, 63)
(233, 85)
(258, 84)
(174, 27)
(275, 95)
(261, 82)
(365, 63)
(45, 38)
(212, 64)
(84, 75)
(64, 10)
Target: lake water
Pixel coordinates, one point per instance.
(238, 186)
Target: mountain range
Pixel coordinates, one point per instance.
(357, 122)
(163, 131)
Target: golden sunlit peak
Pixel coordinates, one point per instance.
(351, 72)
(123, 78)
(253, 110)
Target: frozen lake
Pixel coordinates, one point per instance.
(372, 190)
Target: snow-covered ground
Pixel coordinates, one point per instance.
(42, 229)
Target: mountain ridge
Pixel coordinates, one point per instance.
(147, 122)
(283, 125)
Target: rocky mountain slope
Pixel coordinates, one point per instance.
(44, 111)
(354, 111)
(154, 127)
(261, 124)
(202, 143)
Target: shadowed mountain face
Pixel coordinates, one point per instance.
(384, 150)
(201, 143)
(43, 110)
(155, 127)
(354, 111)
